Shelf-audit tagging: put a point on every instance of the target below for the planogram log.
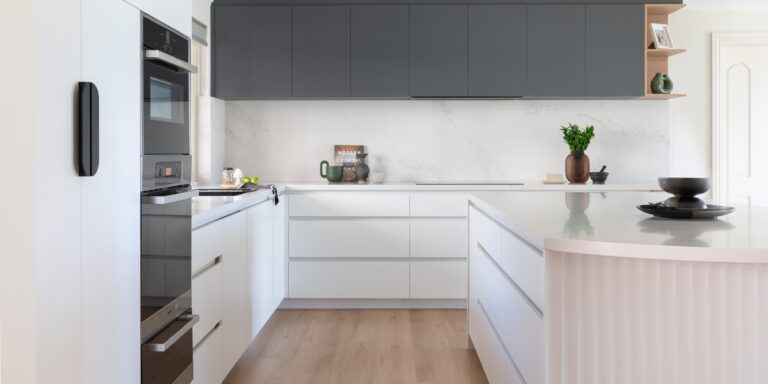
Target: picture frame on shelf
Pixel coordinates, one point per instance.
(662, 38)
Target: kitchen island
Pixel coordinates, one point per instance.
(576, 287)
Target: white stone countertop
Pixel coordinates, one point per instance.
(207, 209)
(609, 224)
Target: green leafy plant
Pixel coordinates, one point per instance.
(578, 139)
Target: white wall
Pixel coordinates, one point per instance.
(447, 139)
(18, 317)
(691, 134)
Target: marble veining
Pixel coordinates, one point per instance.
(446, 139)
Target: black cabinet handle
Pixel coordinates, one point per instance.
(87, 128)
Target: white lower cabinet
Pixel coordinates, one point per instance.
(377, 245)
(206, 245)
(236, 319)
(279, 262)
(443, 238)
(349, 279)
(439, 279)
(260, 260)
(505, 325)
(352, 238)
(237, 286)
(208, 359)
(207, 301)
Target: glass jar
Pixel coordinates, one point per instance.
(228, 177)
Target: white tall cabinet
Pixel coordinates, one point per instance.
(111, 215)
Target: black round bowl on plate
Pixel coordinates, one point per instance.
(685, 186)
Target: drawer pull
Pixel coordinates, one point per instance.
(208, 266)
(168, 343)
(511, 282)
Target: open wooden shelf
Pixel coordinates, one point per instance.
(663, 9)
(661, 96)
(657, 60)
(664, 52)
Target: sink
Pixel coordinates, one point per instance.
(222, 192)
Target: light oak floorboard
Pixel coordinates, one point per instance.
(373, 346)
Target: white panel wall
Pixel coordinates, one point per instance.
(691, 133)
(111, 211)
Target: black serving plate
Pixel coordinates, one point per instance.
(711, 212)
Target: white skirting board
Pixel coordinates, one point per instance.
(374, 304)
(613, 320)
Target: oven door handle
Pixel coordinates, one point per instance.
(167, 344)
(180, 65)
(162, 200)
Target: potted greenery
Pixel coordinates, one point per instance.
(577, 163)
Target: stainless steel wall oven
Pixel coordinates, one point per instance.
(166, 209)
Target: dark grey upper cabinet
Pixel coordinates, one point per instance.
(438, 50)
(251, 52)
(615, 49)
(496, 50)
(556, 62)
(321, 51)
(379, 51)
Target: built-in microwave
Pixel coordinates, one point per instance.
(166, 89)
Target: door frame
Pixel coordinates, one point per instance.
(719, 131)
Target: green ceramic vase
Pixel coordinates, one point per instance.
(661, 83)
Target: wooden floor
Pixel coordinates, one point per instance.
(361, 347)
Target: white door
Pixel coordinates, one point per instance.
(742, 118)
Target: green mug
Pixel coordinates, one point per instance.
(331, 172)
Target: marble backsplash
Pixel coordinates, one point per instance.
(488, 140)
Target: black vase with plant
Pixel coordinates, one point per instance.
(577, 162)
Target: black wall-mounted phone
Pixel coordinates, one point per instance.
(88, 128)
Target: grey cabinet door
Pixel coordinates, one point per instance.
(615, 50)
(379, 51)
(496, 50)
(320, 51)
(438, 50)
(251, 52)
(556, 51)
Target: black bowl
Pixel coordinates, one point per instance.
(598, 177)
(685, 186)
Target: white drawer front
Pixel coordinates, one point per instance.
(207, 301)
(496, 364)
(446, 204)
(348, 279)
(206, 245)
(520, 329)
(439, 238)
(348, 238)
(207, 360)
(524, 266)
(349, 204)
(439, 279)
(484, 232)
